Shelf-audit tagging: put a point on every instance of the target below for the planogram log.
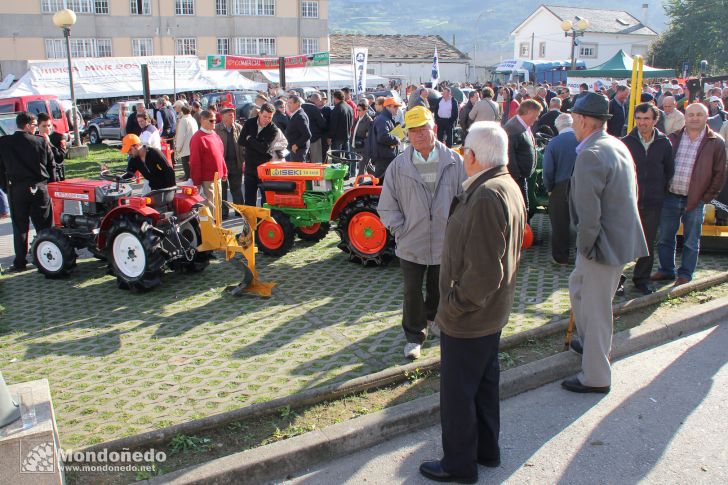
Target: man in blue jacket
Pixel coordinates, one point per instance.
(558, 165)
(619, 110)
(383, 146)
(414, 205)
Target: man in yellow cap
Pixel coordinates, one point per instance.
(418, 187)
(148, 161)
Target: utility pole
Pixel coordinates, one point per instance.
(533, 38)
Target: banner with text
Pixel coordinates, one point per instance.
(242, 63)
(360, 55)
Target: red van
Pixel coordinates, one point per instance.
(41, 103)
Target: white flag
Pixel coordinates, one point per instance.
(360, 69)
(435, 70)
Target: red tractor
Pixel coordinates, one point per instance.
(140, 236)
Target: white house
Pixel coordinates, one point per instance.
(540, 36)
(406, 57)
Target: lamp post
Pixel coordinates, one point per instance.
(64, 19)
(574, 30)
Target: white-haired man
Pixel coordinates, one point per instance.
(477, 285)
(558, 165)
(419, 187)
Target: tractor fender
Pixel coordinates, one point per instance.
(119, 211)
(351, 195)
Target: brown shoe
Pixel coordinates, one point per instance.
(681, 281)
(660, 276)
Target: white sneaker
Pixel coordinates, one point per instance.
(433, 329)
(412, 350)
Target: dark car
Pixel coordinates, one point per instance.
(7, 123)
(107, 126)
(242, 100)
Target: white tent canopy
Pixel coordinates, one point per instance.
(342, 75)
(109, 77)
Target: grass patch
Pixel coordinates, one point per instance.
(90, 166)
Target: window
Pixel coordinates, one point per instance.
(56, 48)
(309, 9)
(186, 46)
(37, 107)
(223, 46)
(254, 7)
(524, 50)
(221, 7)
(142, 47)
(588, 51)
(140, 7)
(79, 6)
(542, 49)
(184, 7)
(309, 45)
(255, 46)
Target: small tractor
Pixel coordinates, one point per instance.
(141, 236)
(305, 197)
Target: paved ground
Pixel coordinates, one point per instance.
(663, 423)
(121, 364)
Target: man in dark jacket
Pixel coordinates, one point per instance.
(258, 137)
(700, 169)
(480, 260)
(26, 167)
(446, 114)
(383, 146)
(318, 126)
(281, 119)
(521, 144)
(132, 125)
(652, 154)
(298, 133)
(547, 121)
(340, 123)
(229, 132)
(619, 110)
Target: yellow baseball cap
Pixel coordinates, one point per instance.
(417, 116)
(128, 142)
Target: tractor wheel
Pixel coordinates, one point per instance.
(190, 231)
(363, 235)
(275, 239)
(314, 232)
(53, 253)
(135, 253)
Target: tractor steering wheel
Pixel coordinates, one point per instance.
(119, 178)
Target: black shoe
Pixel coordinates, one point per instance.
(644, 288)
(576, 347)
(572, 384)
(433, 470)
(620, 287)
(489, 462)
(17, 269)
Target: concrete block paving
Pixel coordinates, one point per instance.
(122, 363)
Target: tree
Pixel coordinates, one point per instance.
(695, 32)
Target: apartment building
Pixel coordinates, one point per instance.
(119, 28)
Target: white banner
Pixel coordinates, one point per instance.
(360, 69)
(574, 82)
(435, 70)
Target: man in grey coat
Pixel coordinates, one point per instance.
(419, 186)
(603, 203)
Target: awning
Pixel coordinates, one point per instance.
(342, 75)
(109, 77)
(620, 67)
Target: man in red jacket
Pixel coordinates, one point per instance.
(207, 157)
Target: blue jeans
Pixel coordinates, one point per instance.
(673, 212)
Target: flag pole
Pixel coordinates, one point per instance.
(328, 66)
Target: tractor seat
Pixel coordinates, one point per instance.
(161, 198)
(278, 186)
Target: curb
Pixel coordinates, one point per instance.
(280, 459)
(378, 379)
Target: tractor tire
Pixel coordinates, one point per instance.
(275, 239)
(53, 253)
(314, 232)
(134, 251)
(93, 136)
(191, 232)
(363, 236)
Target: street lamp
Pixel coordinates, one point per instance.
(574, 30)
(64, 19)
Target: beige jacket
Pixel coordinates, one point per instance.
(186, 127)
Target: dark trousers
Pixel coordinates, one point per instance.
(299, 156)
(523, 185)
(380, 167)
(650, 218)
(560, 221)
(416, 309)
(26, 206)
(445, 132)
(251, 190)
(340, 145)
(185, 161)
(469, 402)
(235, 184)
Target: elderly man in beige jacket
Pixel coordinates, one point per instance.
(186, 127)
